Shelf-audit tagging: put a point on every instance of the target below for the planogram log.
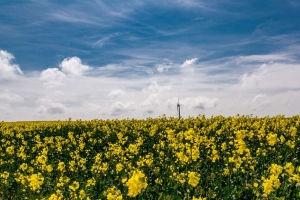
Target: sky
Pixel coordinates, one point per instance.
(115, 59)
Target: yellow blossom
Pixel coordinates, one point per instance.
(113, 194)
(289, 168)
(194, 178)
(91, 182)
(61, 166)
(74, 186)
(35, 181)
(136, 183)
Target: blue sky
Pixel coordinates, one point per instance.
(119, 59)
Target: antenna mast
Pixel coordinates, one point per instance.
(178, 108)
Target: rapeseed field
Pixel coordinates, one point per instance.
(241, 157)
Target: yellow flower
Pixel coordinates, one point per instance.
(158, 181)
(4, 176)
(226, 172)
(10, 150)
(119, 167)
(272, 139)
(224, 146)
(124, 180)
(74, 186)
(200, 198)
(289, 168)
(72, 167)
(255, 185)
(49, 168)
(62, 181)
(91, 182)
(270, 185)
(275, 169)
(194, 178)
(61, 166)
(136, 183)
(82, 194)
(113, 194)
(35, 181)
(42, 159)
(23, 166)
(53, 197)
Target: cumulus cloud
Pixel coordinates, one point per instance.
(259, 102)
(118, 108)
(8, 70)
(272, 76)
(52, 77)
(73, 66)
(152, 102)
(49, 106)
(7, 96)
(252, 80)
(202, 102)
(249, 81)
(116, 93)
(155, 88)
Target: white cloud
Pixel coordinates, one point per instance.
(52, 77)
(7, 69)
(165, 66)
(103, 40)
(259, 102)
(272, 76)
(151, 101)
(116, 93)
(189, 63)
(155, 88)
(253, 80)
(162, 68)
(202, 102)
(118, 108)
(7, 96)
(250, 81)
(73, 66)
(48, 106)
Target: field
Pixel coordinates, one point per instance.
(242, 157)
